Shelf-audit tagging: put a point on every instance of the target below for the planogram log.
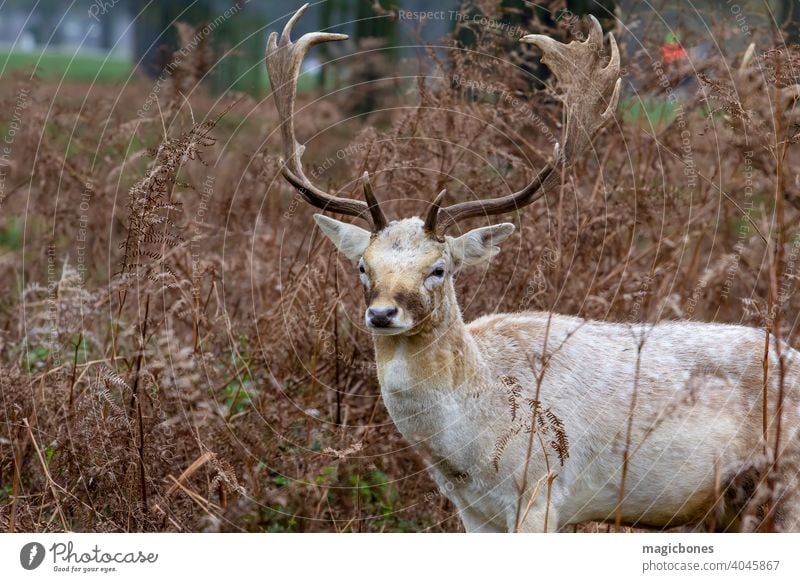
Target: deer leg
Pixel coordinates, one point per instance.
(475, 522)
(788, 506)
(539, 519)
(789, 512)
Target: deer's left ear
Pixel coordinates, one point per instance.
(351, 240)
(478, 245)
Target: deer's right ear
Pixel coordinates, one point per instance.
(351, 240)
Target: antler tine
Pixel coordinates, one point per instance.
(590, 93)
(283, 61)
(379, 221)
(433, 212)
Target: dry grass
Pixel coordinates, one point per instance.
(180, 352)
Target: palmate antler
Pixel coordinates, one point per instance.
(589, 93)
(283, 61)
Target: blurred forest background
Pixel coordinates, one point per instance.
(179, 350)
(104, 40)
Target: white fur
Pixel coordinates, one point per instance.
(351, 240)
(678, 438)
(697, 386)
(479, 244)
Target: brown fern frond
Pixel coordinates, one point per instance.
(501, 444)
(513, 394)
(560, 442)
(115, 379)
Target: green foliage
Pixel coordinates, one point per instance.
(36, 358)
(279, 519)
(647, 111)
(376, 491)
(71, 67)
(5, 493)
(238, 396)
(326, 476)
(11, 234)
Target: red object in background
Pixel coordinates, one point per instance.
(671, 52)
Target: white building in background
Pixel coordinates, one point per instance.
(61, 26)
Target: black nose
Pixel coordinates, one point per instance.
(381, 316)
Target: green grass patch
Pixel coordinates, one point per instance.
(232, 73)
(55, 66)
(11, 234)
(654, 111)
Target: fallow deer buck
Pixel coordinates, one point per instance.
(528, 421)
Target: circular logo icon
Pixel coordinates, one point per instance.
(31, 555)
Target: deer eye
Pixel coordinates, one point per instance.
(361, 269)
(435, 276)
(437, 272)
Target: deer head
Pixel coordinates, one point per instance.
(406, 266)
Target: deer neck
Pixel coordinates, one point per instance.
(440, 357)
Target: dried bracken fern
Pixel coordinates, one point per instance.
(152, 208)
(543, 421)
(252, 349)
